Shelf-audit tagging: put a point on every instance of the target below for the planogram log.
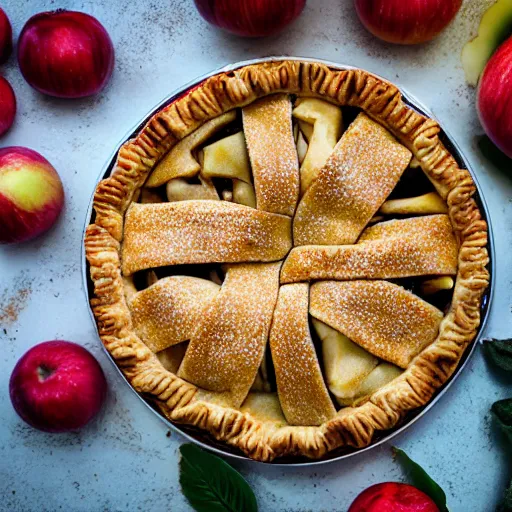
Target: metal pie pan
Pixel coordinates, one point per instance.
(204, 439)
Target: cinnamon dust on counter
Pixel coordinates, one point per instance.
(11, 306)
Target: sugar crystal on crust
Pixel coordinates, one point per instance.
(300, 384)
(364, 168)
(398, 248)
(275, 165)
(167, 312)
(201, 232)
(384, 318)
(227, 347)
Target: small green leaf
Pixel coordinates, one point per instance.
(420, 479)
(499, 353)
(502, 410)
(212, 485)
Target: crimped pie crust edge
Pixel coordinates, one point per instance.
(177, 399)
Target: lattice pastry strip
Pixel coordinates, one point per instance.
(394, 249)
(201, 232)
(275, 167)
(167, 312)
(383, 318)
(302, 391)
(362, 171)
(227, 348)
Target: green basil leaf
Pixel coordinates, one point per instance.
(212, 485)
(420, 479)
(502, 410)
(499, 352)
(506, 504)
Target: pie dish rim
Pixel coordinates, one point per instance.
(410, 101)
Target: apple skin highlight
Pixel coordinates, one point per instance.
(494, 98)
(57, 386)
(393, 497)
(31, 194)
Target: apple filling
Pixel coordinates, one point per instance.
(320, 127)
(351, 372)
(198, 169)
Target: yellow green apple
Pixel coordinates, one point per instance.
(31, 194)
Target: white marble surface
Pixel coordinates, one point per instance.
(124, 460)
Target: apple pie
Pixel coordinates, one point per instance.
(288, 258)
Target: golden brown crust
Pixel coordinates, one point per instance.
(227, 347)
(384, 318)
(275, 166)
(166, 312)
(179, 162)
(176, 398)
(416, 246)
(361, 172)
(300, 384)
(198, 231)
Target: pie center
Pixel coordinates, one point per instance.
(289, 259)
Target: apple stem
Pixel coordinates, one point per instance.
(44, 372)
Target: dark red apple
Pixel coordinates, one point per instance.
(250, 18)
(406, 21)
(31, 194)
(66, 54)
(494, 98)
(393, 497)
(57, 386)
(5, 36)
(7, 106)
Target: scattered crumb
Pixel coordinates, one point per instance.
(12, 305)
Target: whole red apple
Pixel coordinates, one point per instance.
(406, 21)
(57, 386)
(5, 37)
(7, 106)
(393, 497)
(250, 18)
(31, 194)
(494, 98)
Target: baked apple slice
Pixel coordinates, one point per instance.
(326, 120)
(383, 374)
(181, 162)
(180, 189)
(228, 159)
(346, 364)
(426, 204)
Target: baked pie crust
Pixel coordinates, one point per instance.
(389, 349)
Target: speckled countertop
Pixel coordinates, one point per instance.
(127, 460)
